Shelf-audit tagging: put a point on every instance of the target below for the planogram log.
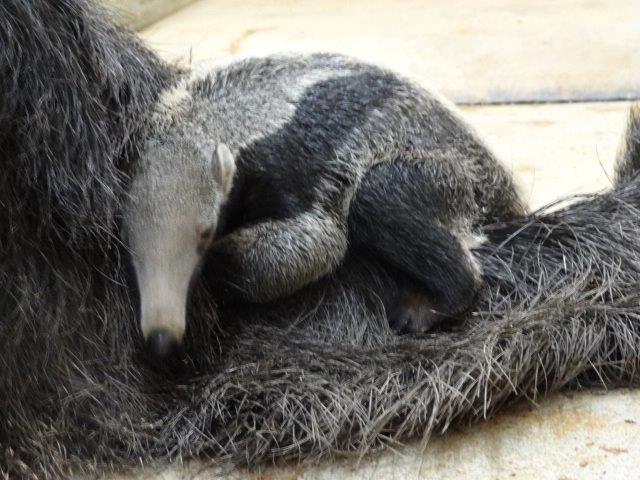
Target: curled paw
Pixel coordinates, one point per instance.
(414, 313)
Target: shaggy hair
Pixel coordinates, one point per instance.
(309, 377)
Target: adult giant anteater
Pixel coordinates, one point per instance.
(309, 376)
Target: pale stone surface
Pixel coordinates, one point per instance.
(554, 150)
(140, 13)
(471, 50)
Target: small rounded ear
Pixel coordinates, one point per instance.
(224, 166)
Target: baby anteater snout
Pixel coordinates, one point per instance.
(163, 322)
(162, 344)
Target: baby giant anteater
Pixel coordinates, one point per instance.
(252, 169)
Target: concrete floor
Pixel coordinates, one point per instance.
(470, 50)
(137, 14)
(473, 51)
(553, 150)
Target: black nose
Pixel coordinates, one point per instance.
(162, 344)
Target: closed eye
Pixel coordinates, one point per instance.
(205, 237)
(206, 234)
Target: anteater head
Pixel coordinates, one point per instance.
(171, 219)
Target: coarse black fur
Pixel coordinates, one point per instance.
(74, 94)
(309, 377)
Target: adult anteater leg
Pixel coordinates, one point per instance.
(401, 215)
